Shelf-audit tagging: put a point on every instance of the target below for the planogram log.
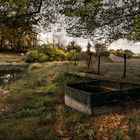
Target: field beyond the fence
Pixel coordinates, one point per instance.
(113, 67)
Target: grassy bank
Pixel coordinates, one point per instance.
(37, 110)
(36, 104)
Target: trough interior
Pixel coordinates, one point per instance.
(101, 92)
(103, 86)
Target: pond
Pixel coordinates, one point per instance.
(9, 76)
(11, 72)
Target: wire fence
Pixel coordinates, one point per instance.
(115, 67)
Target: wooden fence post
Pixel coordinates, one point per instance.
(89, 61)
(99, 61)
(124, 72)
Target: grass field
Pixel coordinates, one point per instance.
(115, 67)
(33, 109)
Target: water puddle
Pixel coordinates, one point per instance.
(7, 77)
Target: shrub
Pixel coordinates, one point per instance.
(51, 54)
(71, 55)
(36, 56)
(120, 53)
(42, 57)
(56, 54)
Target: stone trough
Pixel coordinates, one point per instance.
(100, 96)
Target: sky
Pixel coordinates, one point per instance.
(125, 44)
(119, 44)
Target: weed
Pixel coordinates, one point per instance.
(45, 119)
(119, 135)
(134, 126)
(85, 130)
(52, 136)
(88, 70)
(73, 117)
(25, 112)
(50, 89)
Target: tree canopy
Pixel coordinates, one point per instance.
(72, 46)
(14, 11)
(16, 23)
(111, 19)
(101, 19)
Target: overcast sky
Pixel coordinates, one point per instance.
(119, 44)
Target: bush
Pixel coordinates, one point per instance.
(120, 53)
(71, 55)
(51, 54)
(36, 56)
(56, 54)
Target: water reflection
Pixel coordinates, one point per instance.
(9, 76)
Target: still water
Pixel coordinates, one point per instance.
(7, 77)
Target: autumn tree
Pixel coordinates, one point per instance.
(16, 23)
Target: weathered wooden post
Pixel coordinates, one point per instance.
(99, 62)
(89, 61)
(124, 72)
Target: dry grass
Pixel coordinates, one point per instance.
(11, 57)
(114, 68)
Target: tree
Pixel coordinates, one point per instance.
(59, 41)
(18, 38)
(13, 11)
(16, 23)
(104, 18)
(101, 49)
(72, 46)
(100, 19)
(89, 48)
(120, 53)
(136, 34)
(89, 54)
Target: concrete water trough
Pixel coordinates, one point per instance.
(100, 96)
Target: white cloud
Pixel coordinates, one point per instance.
(125, 44)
